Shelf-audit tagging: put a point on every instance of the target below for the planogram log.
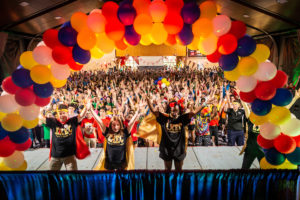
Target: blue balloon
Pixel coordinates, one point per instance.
(66, 24)
(294, 157)
(160, 78)
(126, 13)
(43, 90)
(274, 157)
(186, 35)
(3, 133)
(260, 107)
(131, 36)
(246, 46)
(229, 62)
(67, 36)
(80, 55)
(283, 97)
(20, 136)
(21, 77)
(190, 12)
(155, 82)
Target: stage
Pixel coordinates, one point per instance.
(212, 158)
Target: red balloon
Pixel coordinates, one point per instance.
(297, 139)
(110, 10)
(285, 144)
(9, 86)
(174, 5)
(173, 23)
(248, 97)
(214, 58)
(238, 29)
(279, 80)
(171, 40)
(41, 102)
(265, 91)
(61, 54)
(159, 82)
(24, 146)
(114, 29)
(7, 147)
(121, 45)
(50, 38)
(227, 44)
(264, 143)
(25, 97)
(74, 66)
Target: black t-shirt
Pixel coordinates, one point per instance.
(63, 137)
(172, 143)
(236, 119)
(116, 149)
(253, 132)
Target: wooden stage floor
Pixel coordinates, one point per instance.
(222, 157)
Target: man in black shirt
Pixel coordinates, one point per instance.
(65, 141)
(173, 140)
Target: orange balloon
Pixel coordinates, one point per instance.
(143, 24)
(86, 39)
(173, 22)
(203, 27)
(141, 6)
(195, 43)
(158, 10)
(171, 40)
(121, 45)
(208, 9)
(208, 45)
(114, 29)
(79, 21)
(105, 44)
(158, 34)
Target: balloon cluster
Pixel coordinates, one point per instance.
(162, 82)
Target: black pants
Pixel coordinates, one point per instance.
(250, 155)
(214, 132)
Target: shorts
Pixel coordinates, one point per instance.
(191, 127)
(170, 158)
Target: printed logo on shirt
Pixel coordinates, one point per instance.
(255, 129)
(174, 128)
(115, 139)
(64, 132)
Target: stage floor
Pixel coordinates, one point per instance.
(222, 157)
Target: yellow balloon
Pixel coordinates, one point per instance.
(208, 9)
(23, 167)
(86, 39)
(12, 122)
(30, 124)
(247, 66)
(258, 120)
(285, 165)
(40, 74)
(3, 167)
(27, 61)
(146, 40)
(57, 83)
(158, 33)
(232, 75)
(96, 53)
(105, 44)
(203, 27)
(194, 44)
(261, 53)
(164, 80)
(2, 115)
(279, 115)
(208, 45)
(167, 83)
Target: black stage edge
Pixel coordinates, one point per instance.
(141, 184)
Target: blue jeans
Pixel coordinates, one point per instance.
(237, 137)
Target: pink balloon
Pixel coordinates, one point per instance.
(9, 86)
(266, 71)
(60, 72)
(96, 22)
(158, 10)
(7, 147)
(8, 103)
(221, 24)
(41, 102)
(29, 112)
(24, 146)
(25, 97)
(15, 160)
(269, 131)
(246, 83)
(42, 55)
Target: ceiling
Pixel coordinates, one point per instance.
(261, 16)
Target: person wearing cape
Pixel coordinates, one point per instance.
(169, 130)
(118, 148)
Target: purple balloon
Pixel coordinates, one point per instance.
(131, 36)
(190, 12)
(21, 77)
(126, 13)
(186, 34)
(67, 36)
(43, 90)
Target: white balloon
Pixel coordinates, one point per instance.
(29, 112)
(221, 24)
(269, 131)
(42, 55)
(246, 83)
(15, 160)
(266, 71)
(60, 72)
(8, 103)
(163, 85)
(291, 128)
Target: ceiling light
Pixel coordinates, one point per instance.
(246, 16)
(24, 3)
(58, 17)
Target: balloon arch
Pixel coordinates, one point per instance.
(144, 22)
